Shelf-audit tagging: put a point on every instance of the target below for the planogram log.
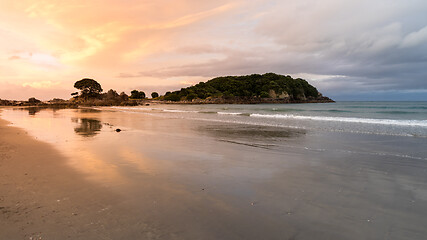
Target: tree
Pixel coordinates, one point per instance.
(264, 94)
(33, 100)
(111, 94)
(123, 96)
(135, 94)
(191, 96)
(88, 87)
(154, 95)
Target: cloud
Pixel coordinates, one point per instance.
(19, 92)
(349, 45)
(415, 38)
(41, 84)
(14, 57)
(339, 46)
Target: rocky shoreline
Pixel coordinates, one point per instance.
(254, 100)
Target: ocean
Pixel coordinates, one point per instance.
(388, 118)
(405, 122)
(345, 170)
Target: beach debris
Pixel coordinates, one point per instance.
(118, 130)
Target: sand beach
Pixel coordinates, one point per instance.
(67, 174)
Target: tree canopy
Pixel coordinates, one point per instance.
(88, 87)
(135, 94)
(154, 95)
(269, 85)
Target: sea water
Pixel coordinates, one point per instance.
(346, 170)
(385, 118)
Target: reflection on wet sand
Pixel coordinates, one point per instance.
(252, 136)
(87, 127)
(199, 180)
(34, 110)
(96, 167)
(251, 132)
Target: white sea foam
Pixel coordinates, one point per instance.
(415, 123)
(139, 109)
(229, 113)
(178, 111)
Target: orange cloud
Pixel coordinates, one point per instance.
(41, 84)
(92, 32)
(78, 38)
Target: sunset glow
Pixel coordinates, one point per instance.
(164, 45)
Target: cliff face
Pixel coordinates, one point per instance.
(266, 88)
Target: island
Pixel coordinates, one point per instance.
(249, 89)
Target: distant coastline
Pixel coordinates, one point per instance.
(248, 101)
(249, 89)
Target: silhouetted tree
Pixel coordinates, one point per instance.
(33, 100)
(123, 96)
(135, 94)
(88, 87)
(154, 95)
(111, 94)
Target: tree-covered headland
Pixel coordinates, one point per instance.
(255, 88)
(269, 87)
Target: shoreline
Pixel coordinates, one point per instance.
(43, 198)
(244, 101)
(143, 102)
(181, 178)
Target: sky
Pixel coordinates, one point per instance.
(348, 49)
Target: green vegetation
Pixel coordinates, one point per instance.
(154, 95)
(255, 88)
(91, 95)
(268, 85)
(135, 94)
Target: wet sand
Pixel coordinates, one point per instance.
(43, 198)
(171, 178)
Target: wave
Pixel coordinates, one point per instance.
(234, 113)
(285, 109)
(416, 123)
(178, 111)
(394, 122)
(229, 113)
